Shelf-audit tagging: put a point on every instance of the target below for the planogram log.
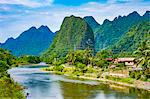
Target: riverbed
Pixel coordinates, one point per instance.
(44, 85)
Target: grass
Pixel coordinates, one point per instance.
(10, 90)
(125, 80)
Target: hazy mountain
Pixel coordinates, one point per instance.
(31, 42)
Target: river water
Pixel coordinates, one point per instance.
(43, 85)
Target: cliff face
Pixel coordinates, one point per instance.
(74, 34)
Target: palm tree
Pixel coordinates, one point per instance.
(143, 54)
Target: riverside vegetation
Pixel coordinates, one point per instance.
(80, 49)
(8, 88)
(84, 63)
(71, 53)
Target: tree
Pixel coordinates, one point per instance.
(143, 54)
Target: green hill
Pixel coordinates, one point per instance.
(111, 31)
(74, 34)
(131, 40)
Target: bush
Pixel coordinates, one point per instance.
(137, 76)
(143, 77)
(9, 89)
(69, 69)
(120, 65)
(132, 74)
(59, 68)
(80, 65)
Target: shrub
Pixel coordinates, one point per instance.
(59, 68)
(137, 76)
(80, 65)
(143, 77)
(132, 74)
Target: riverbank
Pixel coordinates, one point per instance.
(145, 85)
(127, 82)
(43, 64)
(10, 89)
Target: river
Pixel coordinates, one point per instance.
(43, 85)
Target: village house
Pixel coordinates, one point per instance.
(127, 61)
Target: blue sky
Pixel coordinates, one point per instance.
(17, 16)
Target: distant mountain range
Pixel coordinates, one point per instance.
(74, 34)
(124, 33)
(110, 32)
(31, 42)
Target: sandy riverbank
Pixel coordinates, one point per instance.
(33, 64)
(136, 84)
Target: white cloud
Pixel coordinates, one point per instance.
(29, 3)
(53, 16)
(116, 1)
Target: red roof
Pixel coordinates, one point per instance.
(109, 59)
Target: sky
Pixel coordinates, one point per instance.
(17, 16)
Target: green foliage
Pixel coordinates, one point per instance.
(104, 54)
(143, 54)
(59, 68)
(132, 39)
(110, 32)
(80, 65)
(126, 80)
(28, 60)
(6, 61)
(101, 63)
(142, 75)
(9, 89)
(3, 68)
(120, 65)
(75, 34)
(7, 57)
(82, 56)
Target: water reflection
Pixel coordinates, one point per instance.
(43, 85)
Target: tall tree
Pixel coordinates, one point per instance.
(143, 54)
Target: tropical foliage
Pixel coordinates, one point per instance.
(110, 32)
(143, 54)
(131, 40)
(8, 88)
(75, 34)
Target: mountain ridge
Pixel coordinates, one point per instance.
(30, 42)
(110, 31)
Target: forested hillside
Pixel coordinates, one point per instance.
(131, 40)
(74, 34)
(111, 31)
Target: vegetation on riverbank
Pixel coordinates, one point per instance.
(8, 88)
(84, 63)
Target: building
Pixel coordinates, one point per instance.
(127, 61)
(109, 59)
